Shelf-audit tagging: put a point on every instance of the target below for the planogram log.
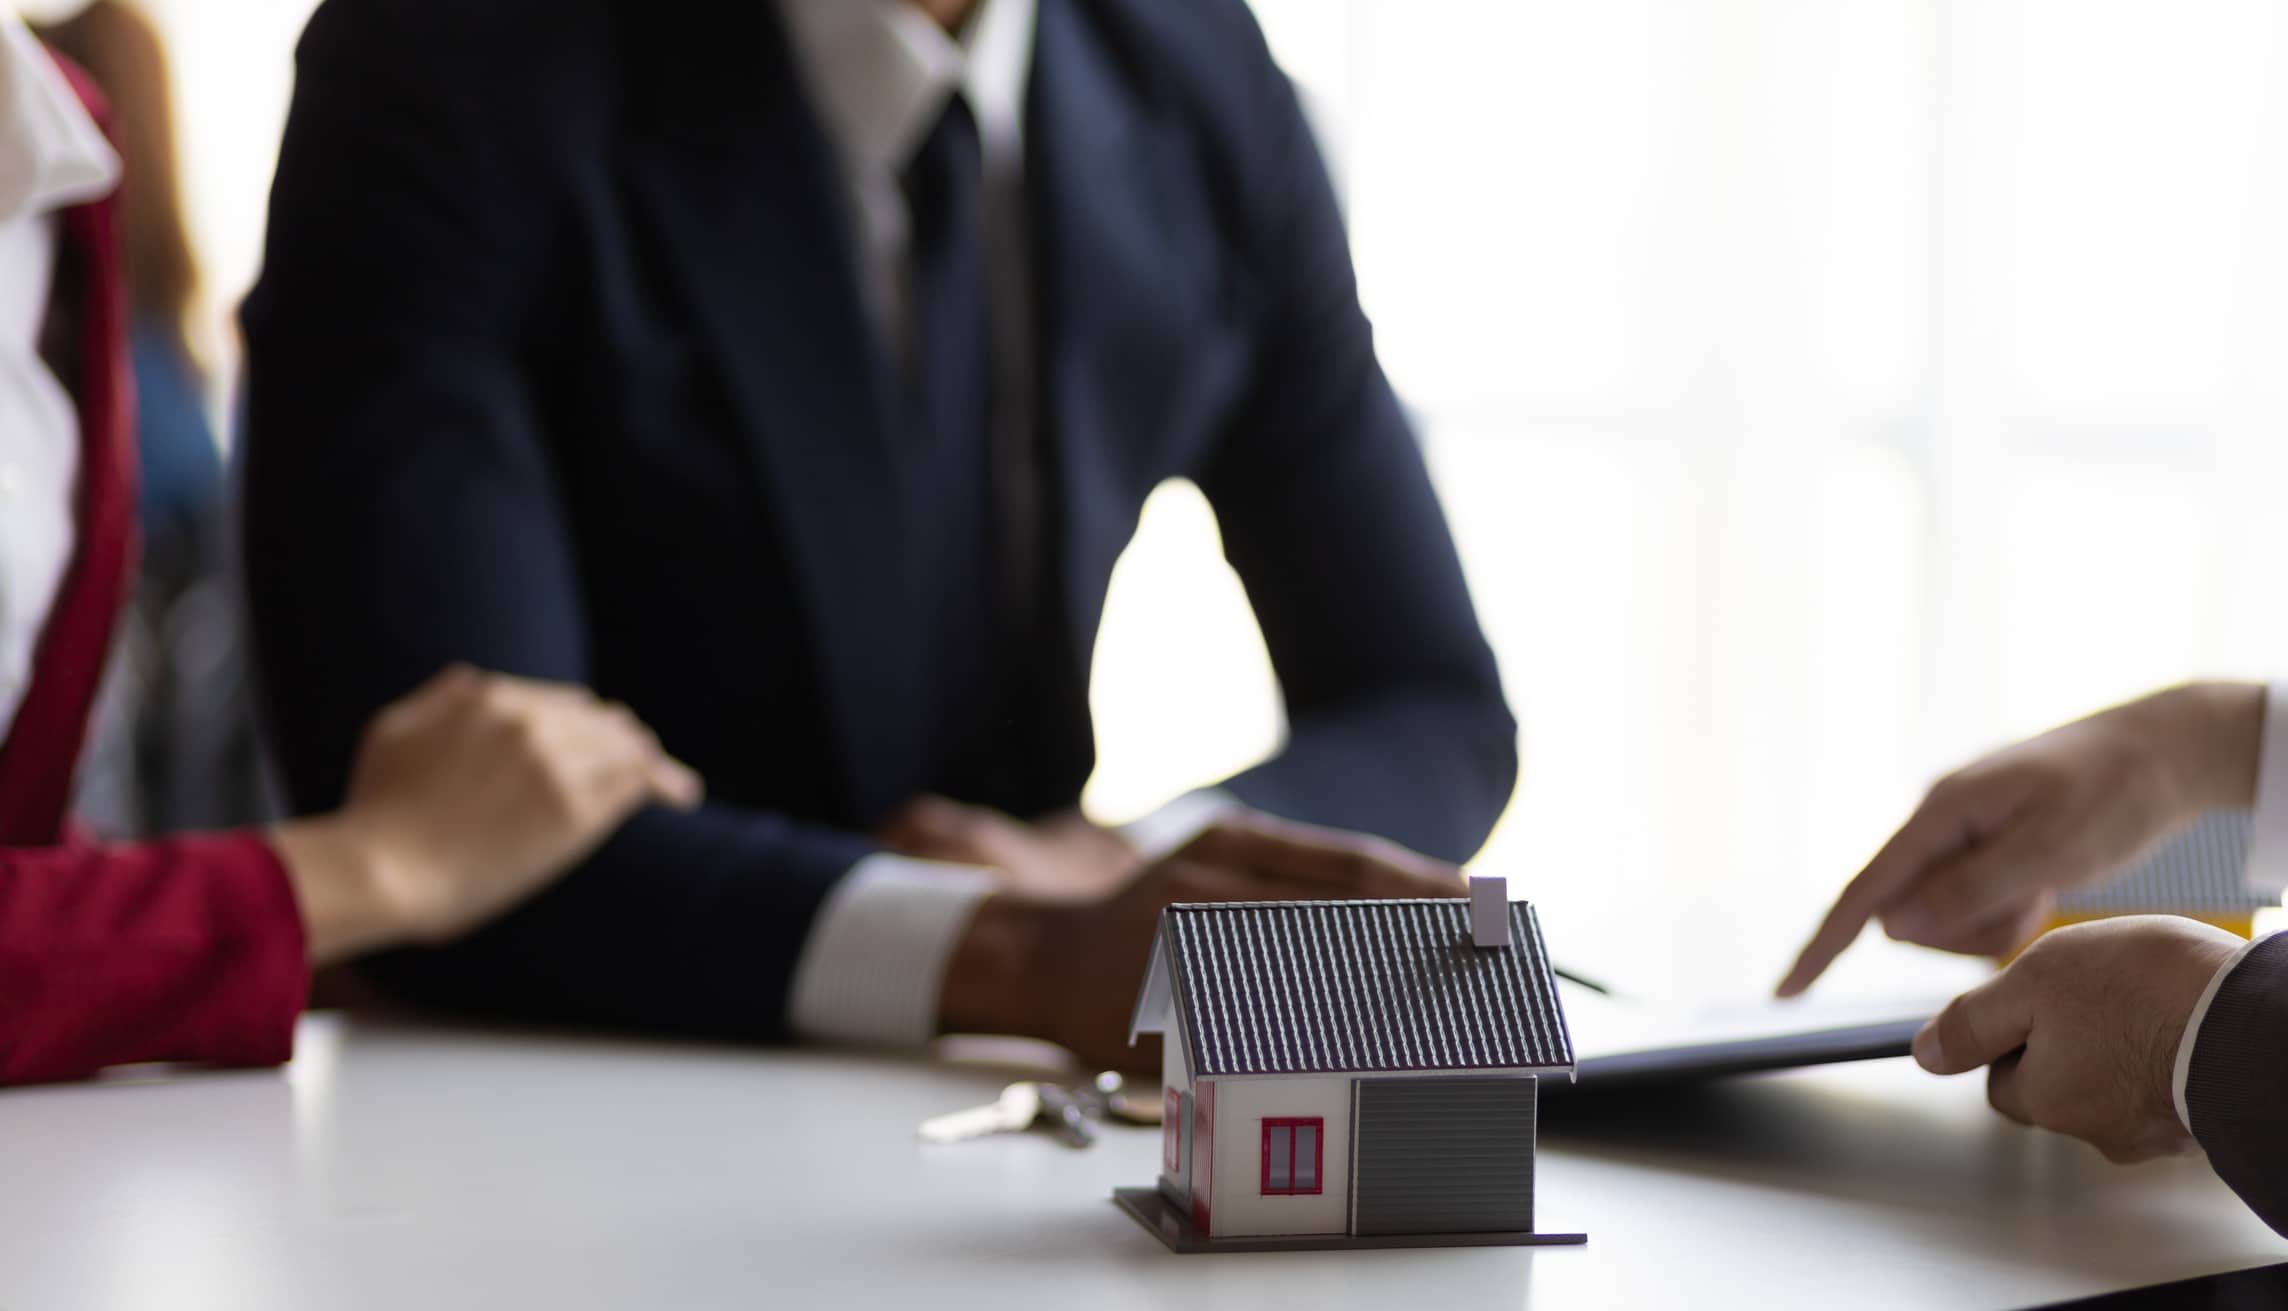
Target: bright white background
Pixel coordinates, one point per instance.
(1821, 391)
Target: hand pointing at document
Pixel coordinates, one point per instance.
(1977, 868)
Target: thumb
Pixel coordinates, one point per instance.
(1979, 1027)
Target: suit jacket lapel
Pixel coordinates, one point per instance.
(1117, 230)
(738, 178)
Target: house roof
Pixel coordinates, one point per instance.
(1323, 987)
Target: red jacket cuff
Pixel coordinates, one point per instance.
(184, 950)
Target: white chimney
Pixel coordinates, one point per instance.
(1489, 910)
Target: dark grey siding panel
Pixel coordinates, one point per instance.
(1443, 1156)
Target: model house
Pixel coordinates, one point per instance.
(1350, 1073)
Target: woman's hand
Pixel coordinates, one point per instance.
(467, 797)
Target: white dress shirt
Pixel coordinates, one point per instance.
(52, 156)
(2266, 872)
(880, 73)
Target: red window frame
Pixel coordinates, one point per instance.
(1172, 1135)
(1287, 1125)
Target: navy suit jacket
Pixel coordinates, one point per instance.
(558, 366)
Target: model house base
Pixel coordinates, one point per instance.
(1170, 1225)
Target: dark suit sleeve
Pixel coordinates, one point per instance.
(401, 512)
(185, 950)
(2239, 1080)
(1395, 710)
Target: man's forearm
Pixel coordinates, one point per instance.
(683, 923)
(1428, 770)
(2213, 733)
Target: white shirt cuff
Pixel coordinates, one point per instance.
(875, 960)
(2184, 1068)
(1163, 832)
(2267, 874)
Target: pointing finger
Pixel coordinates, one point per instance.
(1928, 835)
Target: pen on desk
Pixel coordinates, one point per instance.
(1583, 981)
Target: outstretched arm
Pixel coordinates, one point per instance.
(1397, 722)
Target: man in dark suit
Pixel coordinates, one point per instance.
(2143, 1035)
(794, 372)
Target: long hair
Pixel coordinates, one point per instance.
(118, 47)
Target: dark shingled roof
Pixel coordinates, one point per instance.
(1360, 986)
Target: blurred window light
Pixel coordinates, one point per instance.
(1822, 391)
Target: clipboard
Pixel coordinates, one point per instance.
(1623, 1043)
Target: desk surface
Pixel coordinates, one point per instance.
(392, 1167)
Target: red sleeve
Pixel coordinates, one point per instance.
(188, 949)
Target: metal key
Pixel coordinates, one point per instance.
(1066, 1117)
(1012, 1112)
(1111, 1098)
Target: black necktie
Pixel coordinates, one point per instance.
(948, 457)
(950, 364)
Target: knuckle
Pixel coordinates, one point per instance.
(383, 728)
(1218, 841)
(1997, 1099)
(1359, 866)
(496, 729)
(1899, 926)
(2040, 957)
(530, 732)
(2048, 777)
(1946, 789)
(559, 796)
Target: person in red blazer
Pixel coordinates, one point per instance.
(470, 793)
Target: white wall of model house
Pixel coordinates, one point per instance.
(1241, 1107)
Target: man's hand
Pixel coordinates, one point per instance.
(1062, 857)
(1977, 867)
(2081, 1031)
(1068, 971)
(468, 796)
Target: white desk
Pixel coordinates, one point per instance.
(397, 1167)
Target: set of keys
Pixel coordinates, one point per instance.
(1068, 1113)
